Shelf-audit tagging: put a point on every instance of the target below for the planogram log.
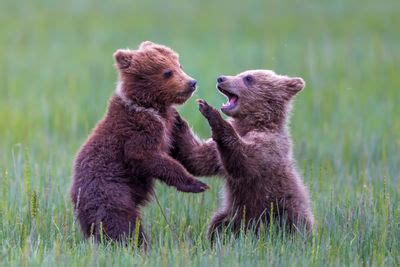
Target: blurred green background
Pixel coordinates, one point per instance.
(56, 74)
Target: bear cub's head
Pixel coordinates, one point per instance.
(257, 91)
(152, 75)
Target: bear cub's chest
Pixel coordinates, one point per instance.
(166, 142)
(166, 134)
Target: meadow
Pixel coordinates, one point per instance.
(57, 73)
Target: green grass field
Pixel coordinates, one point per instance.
(56, 74)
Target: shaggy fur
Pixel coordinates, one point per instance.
(115, 168)
(253, 151)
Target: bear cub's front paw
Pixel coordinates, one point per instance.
(180, 124)
(193, 186)
(207, 110)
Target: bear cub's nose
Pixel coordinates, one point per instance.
(221, 79)
(192, 84)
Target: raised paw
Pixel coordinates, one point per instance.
(207, 110)
(194, 186)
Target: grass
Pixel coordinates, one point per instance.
(56, 74)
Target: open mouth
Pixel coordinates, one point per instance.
(232, 99)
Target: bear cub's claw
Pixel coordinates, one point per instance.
(194, 187)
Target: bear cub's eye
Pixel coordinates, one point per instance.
(168, 74)
(248, 79)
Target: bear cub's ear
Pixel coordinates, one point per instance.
(123, 58)
(295, 85)
(146, 44)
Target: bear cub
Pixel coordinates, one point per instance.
(253, 151)
(114, 170)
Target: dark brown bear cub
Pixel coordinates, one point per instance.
(253, 151)
(115, 168)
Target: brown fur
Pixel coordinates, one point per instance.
(115, 168)
(253, 151)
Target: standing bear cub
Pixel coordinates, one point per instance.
(114, 170)
(253, 151)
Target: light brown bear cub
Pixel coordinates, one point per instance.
(253, 151)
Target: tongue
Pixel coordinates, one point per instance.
(231, 103)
